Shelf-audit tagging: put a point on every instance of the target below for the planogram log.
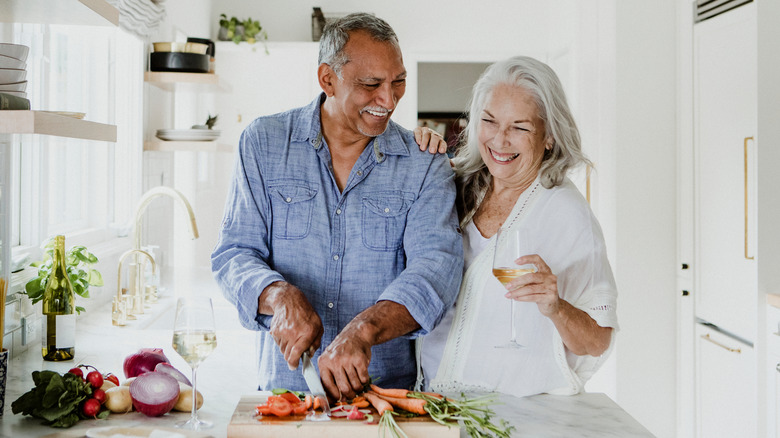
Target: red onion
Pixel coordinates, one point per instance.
(166, 368)
(154, 393)
(143, 361)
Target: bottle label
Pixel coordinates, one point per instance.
(66, 331)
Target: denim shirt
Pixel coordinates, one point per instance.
(391, 234)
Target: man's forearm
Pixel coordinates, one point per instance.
(384, 321)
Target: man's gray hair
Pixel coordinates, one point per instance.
(336, 34)
(560, 129)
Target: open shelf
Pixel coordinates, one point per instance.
(168, 80)
(43, 122)
(77, 12)
(192, 146)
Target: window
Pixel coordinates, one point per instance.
(69, 186)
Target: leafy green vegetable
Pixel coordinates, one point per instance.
(56, 399)
(474, 414)
(77, 264)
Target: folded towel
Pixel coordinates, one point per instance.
(141, 17)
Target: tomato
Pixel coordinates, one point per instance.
(298, 405)
(111, 378)
(279, 406)
(95, 379)
(263, 410)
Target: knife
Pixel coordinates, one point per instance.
(314, 383)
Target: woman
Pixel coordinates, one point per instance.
(511, 169)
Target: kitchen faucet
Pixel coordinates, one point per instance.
(135, 273)
(147, 198)
(120, 312)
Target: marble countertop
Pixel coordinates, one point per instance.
(230, 372)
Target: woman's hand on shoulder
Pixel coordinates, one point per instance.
(429, 139)
(540, 287)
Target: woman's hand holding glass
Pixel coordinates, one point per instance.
(540, 287)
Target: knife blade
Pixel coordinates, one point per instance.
(314, 383)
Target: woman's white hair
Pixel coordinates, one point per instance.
(536, 77)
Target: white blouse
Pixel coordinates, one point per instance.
(462, 353)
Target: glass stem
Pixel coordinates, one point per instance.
(512, 322)
(194, 418)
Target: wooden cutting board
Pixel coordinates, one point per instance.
(245, 424)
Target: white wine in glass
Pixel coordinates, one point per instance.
(511, 245)
(194, 338)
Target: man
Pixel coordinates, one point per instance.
(339, 232)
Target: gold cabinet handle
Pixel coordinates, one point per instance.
(747, 257)
(725, 347)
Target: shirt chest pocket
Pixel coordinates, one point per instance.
(292, 204)
(384, 220)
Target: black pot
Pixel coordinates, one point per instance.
(179, 61)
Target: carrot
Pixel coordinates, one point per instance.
(311, 402)
(433, 394)
(360, 404)
(399, 393)
(379, 403)
(413, 405)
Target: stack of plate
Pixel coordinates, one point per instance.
(187, 134)
(13, 69)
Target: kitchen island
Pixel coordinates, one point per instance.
(229, 373)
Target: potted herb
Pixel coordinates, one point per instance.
(78, 262)
(230, 29)
(253, 31)
(236, 30)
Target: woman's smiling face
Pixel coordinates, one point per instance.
(512, 136)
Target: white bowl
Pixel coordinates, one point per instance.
(15, 86)
(8, 62)
(16, 51)
(11, 75)
(15, 93)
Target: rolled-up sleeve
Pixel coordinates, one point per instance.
(434, 251)
(240, 259)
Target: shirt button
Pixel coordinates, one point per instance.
(387, 210)
(288, 199)
(330, 305)
(360, 173)
(336, 257)
(338, 211)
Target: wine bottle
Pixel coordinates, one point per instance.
(59, 321)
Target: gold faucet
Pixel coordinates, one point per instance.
(119, 306)
(147, 198)
(136, 274)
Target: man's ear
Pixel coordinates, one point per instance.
(327, 79)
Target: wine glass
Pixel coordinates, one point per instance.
(194, 338)
(510, 245)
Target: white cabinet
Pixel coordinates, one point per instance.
(724, 126)
(726, 378)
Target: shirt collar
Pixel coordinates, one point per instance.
(390, 142)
